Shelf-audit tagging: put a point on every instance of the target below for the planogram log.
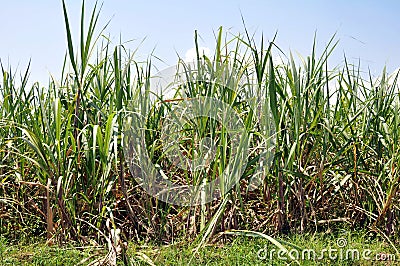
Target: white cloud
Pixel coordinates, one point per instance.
(191, 56)
(278, 60)
(390, 79)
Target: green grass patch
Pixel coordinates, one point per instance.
(259, 251)
(343, 248)
(40, 253)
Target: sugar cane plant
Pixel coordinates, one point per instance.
(64, 174)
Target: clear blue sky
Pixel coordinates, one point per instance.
(367, 30)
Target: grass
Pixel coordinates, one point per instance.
(289, 149)
(39, 253)
(236, 251)
(245, 251)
